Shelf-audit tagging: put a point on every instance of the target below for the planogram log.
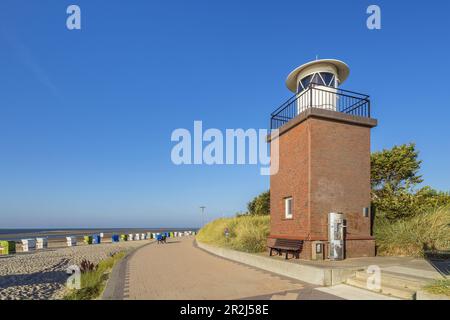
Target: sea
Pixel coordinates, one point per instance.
(55, 234)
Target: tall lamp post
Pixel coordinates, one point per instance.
(203, 215)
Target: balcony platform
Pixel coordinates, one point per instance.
(325, 114)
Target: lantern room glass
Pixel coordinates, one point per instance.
(320, 78)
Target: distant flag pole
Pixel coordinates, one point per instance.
(203, 214)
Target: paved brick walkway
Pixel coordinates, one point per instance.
(179, 270)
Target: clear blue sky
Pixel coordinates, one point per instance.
(86, 116)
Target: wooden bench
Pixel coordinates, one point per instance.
(287, 246)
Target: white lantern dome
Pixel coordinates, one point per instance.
(326, 72)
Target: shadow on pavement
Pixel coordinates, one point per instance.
(440, 260)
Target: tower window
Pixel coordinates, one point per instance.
(328, 78)
(304, 83)
(320, 78)
(317, 79)
(288, 208)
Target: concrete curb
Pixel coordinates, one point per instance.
(305, 273)
(423, 295)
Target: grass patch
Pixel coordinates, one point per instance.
(93, 282)
(246, 233)
(411, 237)
(440, 287)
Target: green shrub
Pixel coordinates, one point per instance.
(260, 205)
(246, 233)
(93, 281)
(412, 236)
(394, 178)
(405, 203)
(396, 168)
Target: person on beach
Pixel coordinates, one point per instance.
(161, 238)
(227, 233)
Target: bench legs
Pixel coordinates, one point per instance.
(295, 254)
(277, 250)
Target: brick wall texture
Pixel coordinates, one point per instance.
(324, 165)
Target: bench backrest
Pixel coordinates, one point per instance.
(298, 244)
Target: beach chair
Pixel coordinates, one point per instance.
(7, 247)
(87, 239)
(161, 239)
(71, 241)
(96, 239)
(41, 243)
(28, 245)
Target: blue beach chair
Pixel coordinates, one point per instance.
(161, 238)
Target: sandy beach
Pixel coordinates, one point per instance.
(42, 274)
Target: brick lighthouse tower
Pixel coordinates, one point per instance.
(321, 192)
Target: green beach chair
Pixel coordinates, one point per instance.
(88, 239)
(7, 247)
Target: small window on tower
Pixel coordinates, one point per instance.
(317, 80)
(288, 208)
(304, 83)
(328, 78)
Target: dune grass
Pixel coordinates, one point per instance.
(405, 237)
(246, 233)
(440, 287)
(413, 236)
(93, 282)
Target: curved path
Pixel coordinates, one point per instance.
(180, 270)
